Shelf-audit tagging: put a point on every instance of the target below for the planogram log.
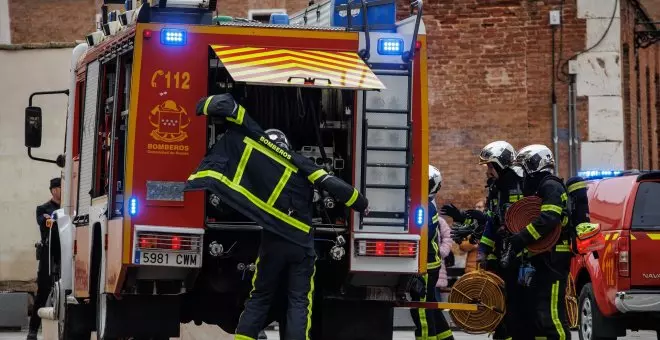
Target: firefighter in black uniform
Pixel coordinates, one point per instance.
(44, 283)
(431, 323)
(546, 273)
(504, 189)
(256, 173)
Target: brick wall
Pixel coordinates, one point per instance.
(35, 21)
(490, 75)
(640, 86)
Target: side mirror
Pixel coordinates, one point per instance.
(33, 127)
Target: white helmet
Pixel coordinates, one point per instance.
(535, 158)
(498, 152)
(435, 180)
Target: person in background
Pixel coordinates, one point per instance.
(446, 242)
(43, 213)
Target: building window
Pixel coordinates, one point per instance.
(263, 15)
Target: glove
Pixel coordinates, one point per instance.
(477, 216)
(453, 212)
(517, 243)
(459, 232)
(481, 261)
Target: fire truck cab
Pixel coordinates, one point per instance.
(619, 285)
(133, 255)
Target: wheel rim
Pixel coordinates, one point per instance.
(586, 320)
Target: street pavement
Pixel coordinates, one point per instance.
(214, 333)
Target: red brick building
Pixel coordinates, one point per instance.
(491, 75)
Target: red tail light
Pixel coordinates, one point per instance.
(176, 243)
(623, 251)
(163, 241)
(383, 248)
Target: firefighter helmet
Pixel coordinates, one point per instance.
(535, 158)
(435, 180)
(278, 138)
(498, 152)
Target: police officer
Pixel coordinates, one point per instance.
(549, 270)
(504, 189)
(43, 213)
(257, 173)
(431, 323)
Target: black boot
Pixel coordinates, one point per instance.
(32, 335)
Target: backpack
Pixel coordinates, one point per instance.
(584, 236)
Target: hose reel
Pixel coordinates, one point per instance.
(522, 213)
(484, 289)
(571, 303)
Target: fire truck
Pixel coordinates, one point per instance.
(134, 255)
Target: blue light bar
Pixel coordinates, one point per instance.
(173, 36)
(390, 46)
(419, 216)
(132, 206)
(598, 174)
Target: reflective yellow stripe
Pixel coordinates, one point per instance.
(422, 312)
(310, 299)
(206, 105)
(485, 240)
(241, 165)
(535, 234)
(554, 312)
(551, 207)
(278, 188)
(316, 175)
(540, 338)
(255, 200)
(562, 248)
(242, 337)
(435, 218)
(353, 198)
(564, 221)
(239, 116)
(444, 335)
(436, 263)
(514, 198)
(576, 186)
(564, 197)
(270, 154)
(491, 257)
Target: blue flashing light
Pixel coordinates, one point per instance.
(132, 206)
(173, 36)
(598, 174)
(419, 216)
(390, 46)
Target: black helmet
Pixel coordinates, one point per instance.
(278, 138)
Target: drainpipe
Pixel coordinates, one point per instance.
(555, 134)
(571, 131)
(640, 145)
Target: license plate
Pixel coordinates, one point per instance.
(190, 260)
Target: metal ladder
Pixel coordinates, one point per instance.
(403, 70)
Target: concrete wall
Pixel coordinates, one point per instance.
(24, 182)
(5, 31)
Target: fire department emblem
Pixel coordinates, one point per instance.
(169, 120)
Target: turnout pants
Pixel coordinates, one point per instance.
(510, 326)
(429, 323)
(279, 259)
(548, 291)
(44, 287)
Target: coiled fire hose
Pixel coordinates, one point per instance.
(522, 213)
(484, 289)
(571, 303)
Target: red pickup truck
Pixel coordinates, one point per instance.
(619, 286)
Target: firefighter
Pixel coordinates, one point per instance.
(431, 323)
(504, 188)
(258, 174)
(43, 213)
(545, 273)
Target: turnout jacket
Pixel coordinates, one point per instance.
(502, 193)
(434, 258)
(269, 185)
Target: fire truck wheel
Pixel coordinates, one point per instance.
(588, 312)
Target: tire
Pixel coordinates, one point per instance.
(587, 312)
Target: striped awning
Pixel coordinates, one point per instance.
(288, 67)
